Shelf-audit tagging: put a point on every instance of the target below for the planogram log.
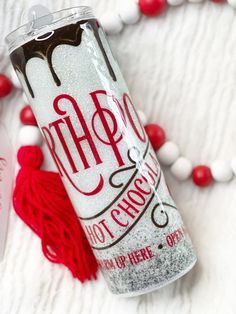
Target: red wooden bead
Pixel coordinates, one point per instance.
(218, 1)
(5, 85)
(27, 117)
(156, 135)
(152, 7)
(202, 176)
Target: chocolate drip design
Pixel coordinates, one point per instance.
(42, 47)
(95, 28)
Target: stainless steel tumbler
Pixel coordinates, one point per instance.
(99, 145)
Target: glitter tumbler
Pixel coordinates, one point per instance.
(102, 152)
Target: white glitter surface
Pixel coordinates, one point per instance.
(82, 70)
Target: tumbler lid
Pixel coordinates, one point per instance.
(41, 21)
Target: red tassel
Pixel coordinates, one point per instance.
(41, 201)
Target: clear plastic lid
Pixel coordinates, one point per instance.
(46, 23)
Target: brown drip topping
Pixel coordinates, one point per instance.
(43, 48)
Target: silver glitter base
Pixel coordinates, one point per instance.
(159, 286)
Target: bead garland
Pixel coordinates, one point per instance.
(130, 12)
(168, 152)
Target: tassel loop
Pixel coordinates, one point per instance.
(30, 157)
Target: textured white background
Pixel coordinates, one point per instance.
(181, 70)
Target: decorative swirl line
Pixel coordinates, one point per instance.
(135, 165)
(119, 194)
(162, 212)
(135, 222)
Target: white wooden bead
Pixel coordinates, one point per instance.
(30, 135)
(232, 3)
(142, 117)
(181, 168)
(175, 2)
(129, 12)
(111, 23)
(15, 80)
(168, 153)
(221, 171)
(233, 165)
